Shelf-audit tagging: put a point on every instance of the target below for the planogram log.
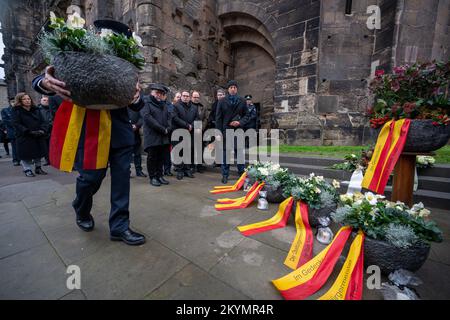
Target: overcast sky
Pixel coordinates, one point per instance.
(2, 73)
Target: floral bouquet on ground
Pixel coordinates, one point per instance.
(99, 67)
(398, 237)
(380, 219)
(274, 177)
(425, 162)
(321, 196)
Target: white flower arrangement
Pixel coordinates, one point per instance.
(385, 220)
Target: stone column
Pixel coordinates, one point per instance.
(149, 21)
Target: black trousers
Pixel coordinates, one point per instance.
(89, 181)
(155, 160)
(137, 157)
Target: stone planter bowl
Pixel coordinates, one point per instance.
(97, 81)
(315, 214)
(423, 136)
(274, 195)
(390, 258)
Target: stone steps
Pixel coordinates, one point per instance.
(433, 189)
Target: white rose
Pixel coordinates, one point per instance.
(75, 21)
(137, 39)
(370, 197)
(424, 213)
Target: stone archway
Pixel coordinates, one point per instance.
(253, 58)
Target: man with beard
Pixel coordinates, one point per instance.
(185, 113)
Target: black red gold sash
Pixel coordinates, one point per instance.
(66, 134)
(390, 143)
(242, 202)
(237, 186)
(311, 276)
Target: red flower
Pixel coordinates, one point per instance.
(399, 70)
(395, 85)
(379, 73)
(395, 107)
(409, 107)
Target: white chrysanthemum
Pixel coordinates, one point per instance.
(106, 33)
(336, 184)
(311, 175)
(424, 213)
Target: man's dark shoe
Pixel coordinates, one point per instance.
(180, 175)
(155, 182)
(200, 169)
(141, 174)
(29, 173)
(162, 180)
(189, 174)
(86, 224)
(16, 163)
(224, 180)
(129, 237)
(40, 171)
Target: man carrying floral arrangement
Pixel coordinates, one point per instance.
(119, 133)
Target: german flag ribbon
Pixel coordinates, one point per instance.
(237, 186)
(302, 248)
(349, 283)
(242, 203)
(311, 276)
(279, 220)
(389, 146)
(231, 200)
(66, 133)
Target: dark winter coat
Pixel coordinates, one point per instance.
(157, 126)
(29, 146)
(47, 115)
(212, 116)
(228, 112)
(252, 123)
(185, 115)
(8, 122)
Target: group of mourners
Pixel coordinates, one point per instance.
(29, 127)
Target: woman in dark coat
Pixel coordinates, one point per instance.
(31, 131)
(157, 129)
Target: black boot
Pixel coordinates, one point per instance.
(140, 173)
(155, 182)
(162, 180)
(40, 171)
(189, 174)
(180, 175)
(29, 173)
(129, 237)
(224, 179)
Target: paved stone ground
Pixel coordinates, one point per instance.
(192, 251)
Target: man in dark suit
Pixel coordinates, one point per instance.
(7, 117)
(185, 113)
(231, 114)
(157, 131)
(89, 181)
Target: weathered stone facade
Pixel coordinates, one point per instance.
(305, 61)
